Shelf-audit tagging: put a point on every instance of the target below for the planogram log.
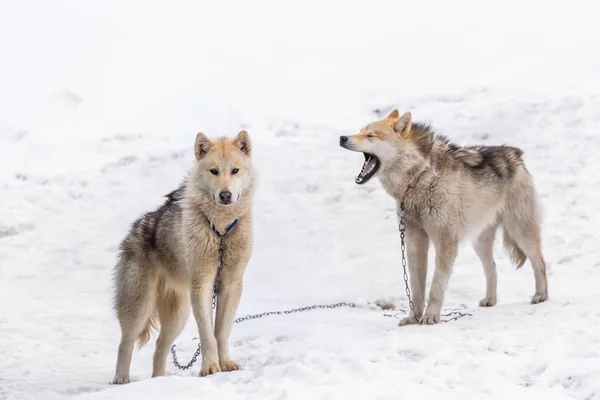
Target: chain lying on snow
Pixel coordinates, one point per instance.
(294, 310)
(192, 361)
(255, 316)
(451, 315)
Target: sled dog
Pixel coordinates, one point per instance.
(452, 193)
(171, 255)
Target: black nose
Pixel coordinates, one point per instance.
(343, 139)
(225, 196)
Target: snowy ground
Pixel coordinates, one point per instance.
(99, 108)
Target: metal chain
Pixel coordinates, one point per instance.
(217, 283)
(402, 228)
(452, 314)
(192, 361)
(294, 310)
(255, 316)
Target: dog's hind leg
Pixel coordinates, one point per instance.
(135, 307)
(417, 246)
(484, 247)
(173, 311)
(124, 359)
(525, 232)
(522, 236)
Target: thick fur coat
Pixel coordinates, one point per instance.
(168, 261)
(449, 194)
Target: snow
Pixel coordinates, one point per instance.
(99, 107)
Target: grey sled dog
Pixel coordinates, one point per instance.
(451, 193)
(171, 255)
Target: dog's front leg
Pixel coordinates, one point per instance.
(446, 248)
(227, 303)
(201, 296)
(417, 246)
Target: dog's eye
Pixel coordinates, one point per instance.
(370, 135)
(214, 171)
(235, 171)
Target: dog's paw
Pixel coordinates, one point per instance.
(210, 369)
(430, 319)
(120, 380)
(488, 302)
(539, 298)
(228, 366)
(410, 320)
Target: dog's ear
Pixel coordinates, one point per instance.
(393, 115)
(242, 142)
(202, 146)
(404, 123)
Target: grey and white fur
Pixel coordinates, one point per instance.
(451, 194)
(168, 261)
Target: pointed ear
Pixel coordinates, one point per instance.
(242, 142)
(202, 146)
(404, 123)
(393, 115)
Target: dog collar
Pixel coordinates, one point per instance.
(215, 230)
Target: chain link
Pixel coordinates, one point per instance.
(452, 314)
(217, 283)
(192, 361)
(402, 228)
(294, 310)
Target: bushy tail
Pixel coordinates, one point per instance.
(146, 333)
(515, 253)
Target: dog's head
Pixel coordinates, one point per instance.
(223, 167)
(381, 142)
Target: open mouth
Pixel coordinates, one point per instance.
(369, 168)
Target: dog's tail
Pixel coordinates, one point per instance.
(146, 333)
(515, 253)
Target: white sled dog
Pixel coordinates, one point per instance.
(171, 255)
(452, 193)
